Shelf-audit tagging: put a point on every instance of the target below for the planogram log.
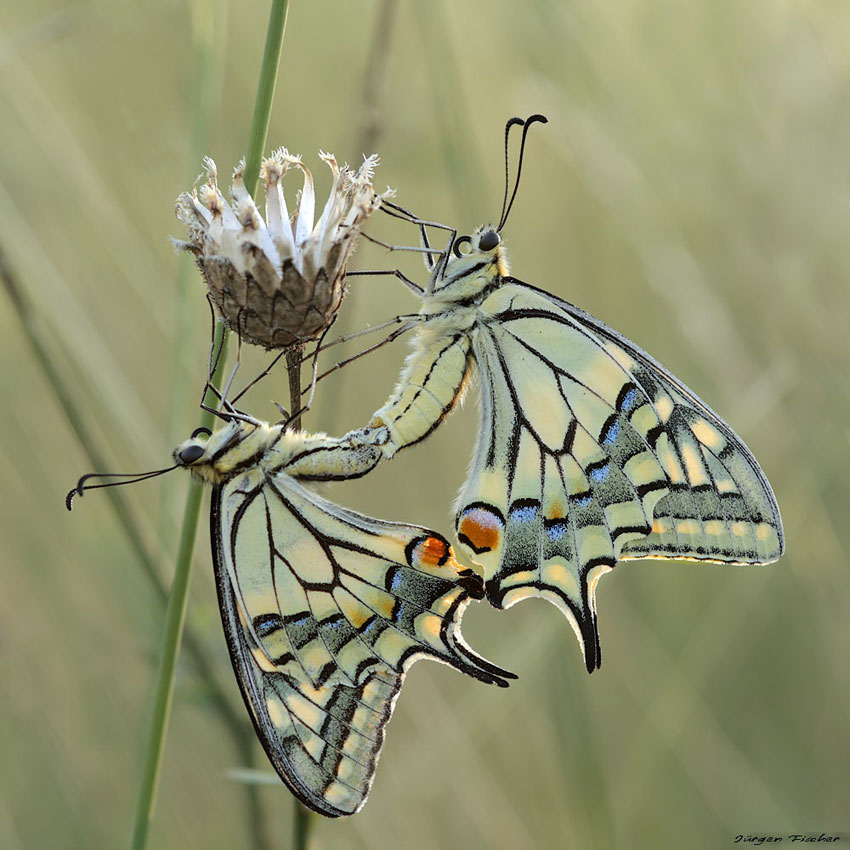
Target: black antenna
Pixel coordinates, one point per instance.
(132, 478)
(511, 123)
(506, 205)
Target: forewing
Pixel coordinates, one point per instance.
(721, 506)
(324, 611)
(589, 453)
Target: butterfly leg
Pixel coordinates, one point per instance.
(348, 337)
(259, 377)
(236, 365)
(414, 287)
(387, 339)
(416, 249)
(398, 211)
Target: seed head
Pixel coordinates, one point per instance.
(278, 281)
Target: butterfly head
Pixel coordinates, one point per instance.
(214, 456)
(478, 263)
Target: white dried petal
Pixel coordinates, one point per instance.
(278, 281)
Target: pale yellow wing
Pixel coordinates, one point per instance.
(590, 453)
(325, 610)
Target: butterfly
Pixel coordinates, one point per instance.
(324, 609)
(589, 452)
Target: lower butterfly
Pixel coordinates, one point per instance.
(590, 452)
(324, 609)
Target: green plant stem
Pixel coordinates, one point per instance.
(265, 93)
(175, 617)
(176, 610)
(305, 821)
(209, 35)
(293, 372)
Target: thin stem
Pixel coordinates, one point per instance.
(305, 821)
(294, 356)
(265, 93)
(176, 612)
(175, 617)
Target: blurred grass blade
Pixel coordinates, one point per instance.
(209, 41)
(49, 364)
(371, 127)
(450, 111)
(253, 777)
(53, 298)
(265, 93)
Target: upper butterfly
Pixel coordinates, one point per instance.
(589, 452)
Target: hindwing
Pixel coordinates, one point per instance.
(590, 452)
(325, 610)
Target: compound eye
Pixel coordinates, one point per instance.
(488, 240)
(458, 249)
(191, 454)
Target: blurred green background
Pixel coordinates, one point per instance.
(692, 189)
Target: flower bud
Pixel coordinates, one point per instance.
(279, 281)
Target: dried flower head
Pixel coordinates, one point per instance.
(280, 281)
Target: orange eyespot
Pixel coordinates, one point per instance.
(480, 527)
(429, 552)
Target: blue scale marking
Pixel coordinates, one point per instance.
(600, 474)
(583, 502)
(401, 611)
(557, 531)
(613, 432)
(629, 400)
(371, 627)
(268, 627)
(524, 514)
(396, 583)
(301, 621)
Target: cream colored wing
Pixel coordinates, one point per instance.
(324, 611)
(589, 453)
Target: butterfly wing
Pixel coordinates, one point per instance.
(590, 452)
(324, 611)
(721, 506)
(323, 742)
